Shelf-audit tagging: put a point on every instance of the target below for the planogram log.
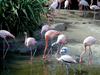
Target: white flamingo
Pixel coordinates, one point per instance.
(84, 4)
(98, 3)
(52, 11)
(29, 42)
(94, 8)
(4, 34)
(66, 4)
(88, 42)
(54, 4)
(67, 60)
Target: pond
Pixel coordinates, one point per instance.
(20, 65)
(78, 28)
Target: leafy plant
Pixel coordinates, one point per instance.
(18, 16)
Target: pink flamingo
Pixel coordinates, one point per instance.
(29, 42)
(4, 34)
(88, 42)
(50, 34)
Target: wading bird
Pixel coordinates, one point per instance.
(61, 40)
(52, 10)
(98, 3)
(67, 60)
(83, 4)
(4, 34)
(67, 4)
(49, 35)
(94, 8)
(30, 42)
(88, 42)
(54, 5)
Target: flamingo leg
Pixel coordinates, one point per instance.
(59, 46)
(6, 49)
(94, 14)
(87, 8)
(75, 69)
(83, 10)
(67, 68)
(51, 51)
(46, 46)
(90, 55)
(34, 52)
(81, 56)
(3, 66)
(3, 49)
(31, 58)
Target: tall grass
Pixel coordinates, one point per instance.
(18, 16)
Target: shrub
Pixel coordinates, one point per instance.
(18, 16)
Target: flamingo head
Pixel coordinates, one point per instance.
(25, 33)
(11, 35)
(64, 50)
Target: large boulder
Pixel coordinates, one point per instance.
(59, 26)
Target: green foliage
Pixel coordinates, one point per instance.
(18, 16)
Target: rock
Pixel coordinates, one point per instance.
(59, 26)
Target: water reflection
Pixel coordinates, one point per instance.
(45, 69)
(38, 67)
(31, 66)
(50, 67)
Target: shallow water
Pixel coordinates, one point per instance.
(20, 65)
(78, 29)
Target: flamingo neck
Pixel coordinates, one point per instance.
(26, 36)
